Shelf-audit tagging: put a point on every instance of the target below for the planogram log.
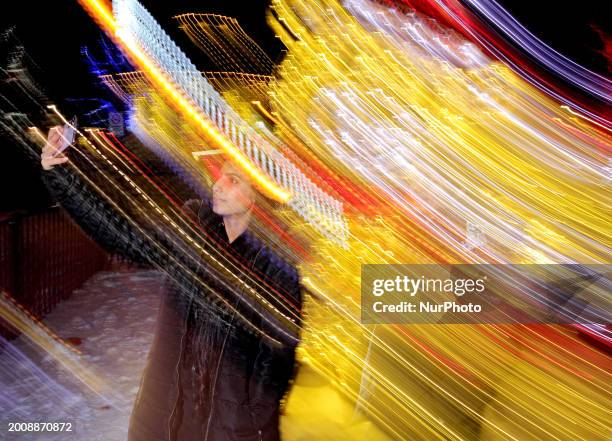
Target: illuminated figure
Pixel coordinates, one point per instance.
(208, 377)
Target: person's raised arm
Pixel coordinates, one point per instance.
(88, 209)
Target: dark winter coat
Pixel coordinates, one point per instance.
(220, 363)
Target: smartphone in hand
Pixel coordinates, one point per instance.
(67, 136)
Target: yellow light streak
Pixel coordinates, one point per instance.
(103, 15)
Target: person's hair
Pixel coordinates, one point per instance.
(266, 207)
(265, 203)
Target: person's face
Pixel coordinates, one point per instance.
(232, 193)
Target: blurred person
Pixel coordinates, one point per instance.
(207, 378)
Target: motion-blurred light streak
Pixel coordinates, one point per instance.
(430, 150)
(490, 26)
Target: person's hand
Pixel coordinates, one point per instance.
(54, 142)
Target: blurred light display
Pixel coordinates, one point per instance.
(390, 138)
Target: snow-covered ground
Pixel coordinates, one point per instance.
(114, 317)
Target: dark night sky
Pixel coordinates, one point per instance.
(55, 31)
(568, 27)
